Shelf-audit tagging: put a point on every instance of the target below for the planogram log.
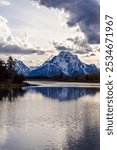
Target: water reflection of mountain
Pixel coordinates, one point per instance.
(64, 93)
(11, 94)
(59, 93)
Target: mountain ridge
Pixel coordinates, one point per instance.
(65, 64)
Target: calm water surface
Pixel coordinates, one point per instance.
(49, 118)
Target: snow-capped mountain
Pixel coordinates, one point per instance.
(21, 68)
(32, 68)
(65, 63)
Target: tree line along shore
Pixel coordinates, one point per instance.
(8, 75)
(10, 78)
(89, 78)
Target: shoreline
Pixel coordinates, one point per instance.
(63, 84)
(13, 85)
(63, 81)
(43, 83)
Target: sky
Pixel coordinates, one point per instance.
(36, 30)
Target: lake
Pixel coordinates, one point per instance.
(50, 117)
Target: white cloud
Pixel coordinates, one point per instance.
(4, 2)
(14, 45)
(35, 4)
(21, 49)
(43, 26)
(63, 17)
(5, 33)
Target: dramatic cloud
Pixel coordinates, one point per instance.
(4, 2)
(85, 13)
(14, 49)
(92, 54)
(82, 52)
(14, 45)
(63, 47)
(79, 41)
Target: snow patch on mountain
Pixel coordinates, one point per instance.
(65, 63)
(21, 68)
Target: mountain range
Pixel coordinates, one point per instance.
(65, 64)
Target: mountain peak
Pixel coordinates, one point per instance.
(64, 58)
(67, 54)
(64, 53)
(66, 64)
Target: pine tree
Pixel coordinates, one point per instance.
(3, 71)
(11, 66)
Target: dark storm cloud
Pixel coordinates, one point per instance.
(92, 54)
(41, 52)
(62, 48)
(78, 41)
(85, 48)
(81, 52)
(85, 13)
(14, 49)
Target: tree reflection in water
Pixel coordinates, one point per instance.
(11, 94)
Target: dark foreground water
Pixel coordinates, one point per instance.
(47, 118)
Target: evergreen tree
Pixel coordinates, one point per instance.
(8, 72)
(3, 70)
(11, 66)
